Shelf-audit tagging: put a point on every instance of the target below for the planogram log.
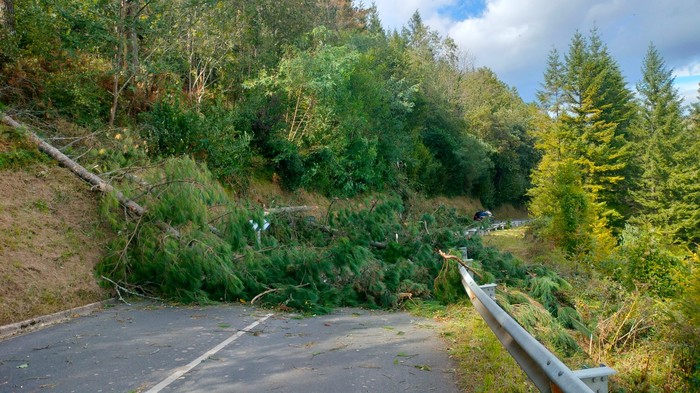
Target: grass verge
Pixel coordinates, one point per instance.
(483, 365)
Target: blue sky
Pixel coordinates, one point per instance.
(513, 37)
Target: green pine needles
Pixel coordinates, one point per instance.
(196, 244)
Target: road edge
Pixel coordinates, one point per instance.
(37, 323)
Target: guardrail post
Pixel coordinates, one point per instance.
(489, 289)
(596, 378)
(465, 255)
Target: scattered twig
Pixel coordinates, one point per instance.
(374, 204)
(119, 287)
(76, 139)
(76, 159)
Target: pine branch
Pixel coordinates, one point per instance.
(460, 261)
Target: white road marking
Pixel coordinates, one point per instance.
(184, 370)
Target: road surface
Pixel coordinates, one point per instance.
(154, 348)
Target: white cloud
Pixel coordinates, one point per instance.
(396, 13)
(688, 88)
(513, 37)
(692, 69)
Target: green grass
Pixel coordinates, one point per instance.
(483, 365)
(16, 151)
(511, 240)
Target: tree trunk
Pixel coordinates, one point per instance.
(7, 15)
(119, 57)
(86, 175)
(132, 17)
(76, 168)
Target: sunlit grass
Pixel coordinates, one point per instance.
(510, 240)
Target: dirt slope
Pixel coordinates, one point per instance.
(50, 240)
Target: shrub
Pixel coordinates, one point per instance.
(646, 260)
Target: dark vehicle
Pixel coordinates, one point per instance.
(482, 214)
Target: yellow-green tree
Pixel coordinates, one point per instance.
(583, 134)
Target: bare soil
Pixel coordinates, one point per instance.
(50, 240)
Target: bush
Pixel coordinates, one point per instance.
(174, 129)
(646, 260)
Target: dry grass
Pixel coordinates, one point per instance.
(50, 240)
(463, 205)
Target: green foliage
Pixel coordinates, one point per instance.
(448, 284)
(657, 134)
(362, 255)
(74, 91)
(544, 327)
(318, 93)
(647, 261)
(687, 328)
(585, 135)
(192, 264)
(572, 218)
(174, 129)
(497, 116)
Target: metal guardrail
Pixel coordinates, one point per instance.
(543, 368)
(495, 226)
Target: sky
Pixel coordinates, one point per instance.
(514, 37)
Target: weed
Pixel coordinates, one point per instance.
(40, 206)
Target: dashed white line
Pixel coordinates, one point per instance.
(184, 370)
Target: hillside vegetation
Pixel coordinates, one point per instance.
(189, 106)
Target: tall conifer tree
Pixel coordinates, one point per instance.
(586, 129)
(657, 138)
(685, 179)
(550, 98)
(597, 106)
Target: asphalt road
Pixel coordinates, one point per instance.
(155, 348)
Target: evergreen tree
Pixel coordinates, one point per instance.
(373, 23)
(550, 99)
(685, 180)
(657, 138)
(597, 107)
(587, 117)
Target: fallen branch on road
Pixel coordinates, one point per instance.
(271, 290)
(120, 288)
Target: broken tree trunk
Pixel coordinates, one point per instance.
(289, 209)
(80, 171)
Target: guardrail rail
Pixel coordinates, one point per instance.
(484, 228)
(543, 368)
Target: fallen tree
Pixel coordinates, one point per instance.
(79, 170)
